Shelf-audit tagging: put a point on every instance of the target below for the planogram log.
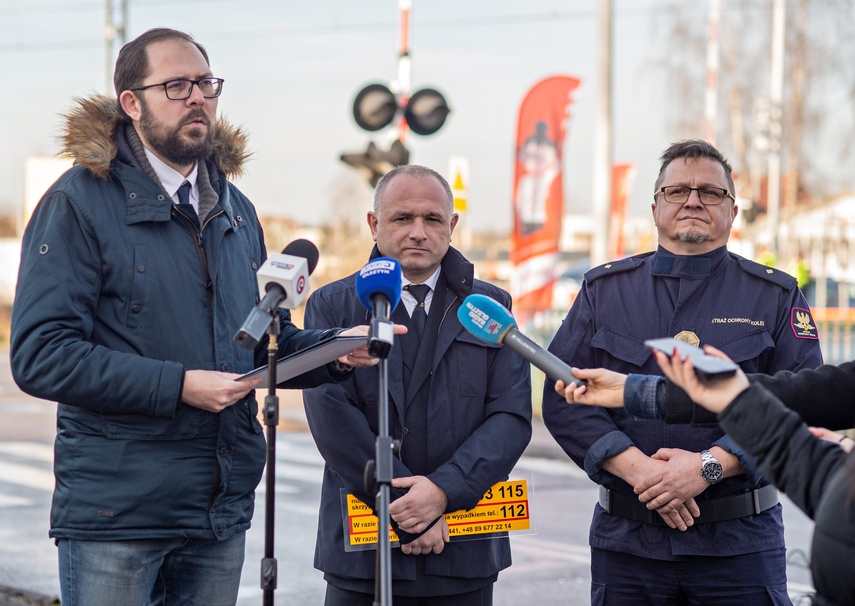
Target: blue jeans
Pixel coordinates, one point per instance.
(151, 572)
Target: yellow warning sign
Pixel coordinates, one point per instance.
(458, 171)
(504, 508)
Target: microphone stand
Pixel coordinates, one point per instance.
(269, 565)
(378, 473)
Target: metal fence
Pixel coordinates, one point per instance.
(837, 339)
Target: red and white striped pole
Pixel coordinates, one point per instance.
(404, 83)
(711, 98)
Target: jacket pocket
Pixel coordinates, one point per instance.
(621, 347)
(748, 346)
(472, 360)
(186, 424)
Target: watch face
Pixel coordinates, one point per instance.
(712, 471)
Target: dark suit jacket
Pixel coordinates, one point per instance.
(478, 419)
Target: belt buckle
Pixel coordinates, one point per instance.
(756, 494)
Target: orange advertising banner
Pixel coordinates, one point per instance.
(623, 176)
(538, 190)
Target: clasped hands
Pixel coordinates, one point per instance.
(669, 482)
(415, 511)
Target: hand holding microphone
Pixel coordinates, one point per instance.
(491, 322)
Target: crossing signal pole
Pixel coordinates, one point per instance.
(377, 106)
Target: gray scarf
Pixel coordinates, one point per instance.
(207, 196)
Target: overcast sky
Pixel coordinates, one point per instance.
(292, 69)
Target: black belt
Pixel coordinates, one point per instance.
(714, 510)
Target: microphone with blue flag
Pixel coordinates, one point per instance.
(488, 320)
(378, 287)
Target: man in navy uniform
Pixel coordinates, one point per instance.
(719, 537)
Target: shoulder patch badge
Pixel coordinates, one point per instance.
(803, 325)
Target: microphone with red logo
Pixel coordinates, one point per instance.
(283, 281)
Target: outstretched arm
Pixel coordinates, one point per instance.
(604, 388)
(715, 395)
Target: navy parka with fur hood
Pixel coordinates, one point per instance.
(119, 293)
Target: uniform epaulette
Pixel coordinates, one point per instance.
(772, 274)
(615, 267)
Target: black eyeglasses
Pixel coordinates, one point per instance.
(178, 90)
(709, 196)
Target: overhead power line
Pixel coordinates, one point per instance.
(56, 9)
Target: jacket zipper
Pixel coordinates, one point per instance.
(200, 249)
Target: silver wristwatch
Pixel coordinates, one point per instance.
(711, 469)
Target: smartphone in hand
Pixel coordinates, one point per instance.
(707, 367)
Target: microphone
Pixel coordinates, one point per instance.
(283, 281)
(491, 322)
(378, 287)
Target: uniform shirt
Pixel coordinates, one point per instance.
(753, 313)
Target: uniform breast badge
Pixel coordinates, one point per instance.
(687, 336)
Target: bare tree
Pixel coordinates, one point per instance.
(818, 107)
(347, 239)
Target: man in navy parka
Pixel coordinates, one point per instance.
(138, 267)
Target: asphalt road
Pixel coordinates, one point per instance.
(551, 562)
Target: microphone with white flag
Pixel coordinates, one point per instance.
(283, 281)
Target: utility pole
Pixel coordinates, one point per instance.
(773, 185)
(114, 31)
(711, 99)
(602, 186)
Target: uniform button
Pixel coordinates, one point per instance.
(225, 368)
(224, 451)
(141, 268)
(136, 309)
(218, 530)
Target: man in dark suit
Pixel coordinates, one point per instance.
(461, 409)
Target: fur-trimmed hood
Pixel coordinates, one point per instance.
(89, 137)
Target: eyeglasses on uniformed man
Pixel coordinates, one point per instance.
(678, 194)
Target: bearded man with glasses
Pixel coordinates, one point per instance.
(137, 267)
(718, 539)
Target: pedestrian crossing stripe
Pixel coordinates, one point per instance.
(26, 475)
